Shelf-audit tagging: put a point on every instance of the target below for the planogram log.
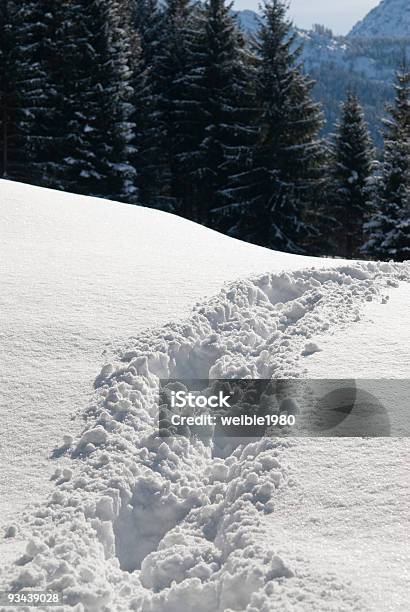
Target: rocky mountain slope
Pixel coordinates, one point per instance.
(389, 18)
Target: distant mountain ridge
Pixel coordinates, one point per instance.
(364, 62)
(249, 20)
(391, 18)
(366, 65)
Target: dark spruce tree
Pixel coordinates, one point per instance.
(350, 173)
(389, 227)
(177, 105)
(27, 96)
(150, 150)
(93, 79)
(221, 84)
(7, 88)
(147, 19)
(276, 190)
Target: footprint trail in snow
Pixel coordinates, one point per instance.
(140, 523)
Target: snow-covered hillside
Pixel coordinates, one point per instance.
(322, 51)
(79, 276)
(120, 295)
(389, 18)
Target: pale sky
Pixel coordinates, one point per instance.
(340, 15)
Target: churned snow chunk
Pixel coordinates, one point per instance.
(95, 436)
(105, 508)
(279, 569)
(68, 441)
(310, 349)
(289, 405)
(107, 371)
(11, 532)
(67, 474)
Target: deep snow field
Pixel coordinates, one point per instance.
(94, 504)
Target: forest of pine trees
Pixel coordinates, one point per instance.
(169, 105)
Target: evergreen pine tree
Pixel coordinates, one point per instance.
(7, 87)
(276, 188)
(93, 79)
(389, 226)
(175, 113)
(147, 19)
(150, 148)
(351, 171)
(320, 240)
(26, 92)
(225, 105)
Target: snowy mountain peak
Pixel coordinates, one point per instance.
(391, 18)
(248, 20)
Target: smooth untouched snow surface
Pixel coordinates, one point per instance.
(140, 523)
(349, 508)
(377, 346)
(347, 515)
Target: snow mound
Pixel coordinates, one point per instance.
(153, 525)
(79, 275)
